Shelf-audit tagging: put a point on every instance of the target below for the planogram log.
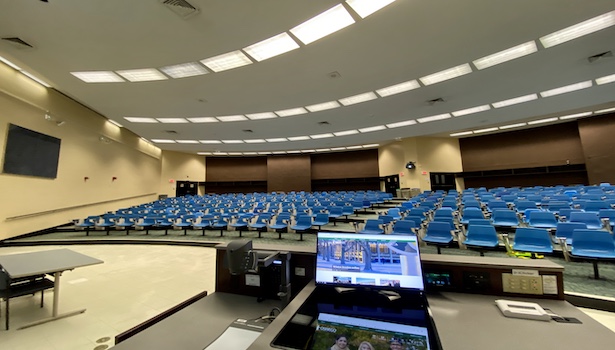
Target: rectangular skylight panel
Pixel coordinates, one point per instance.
(323, 24)
(255, 141)
(276, 139)
(298, 138)
(162, 141)
(567, 88)
(232, 141)
(144, 74)
(512, 126)
(506, 55)
(323, 106)
(372, 128)
(187, 141)
(401, 124)
(172, 120)
(98, 77)
(141, 120)
(184, 70)
(346, 133)
(260, 116)
(606, 80)
(472, 110)
(271, 47)
(9, 63)
(433, 118)
(542, 121)
(480, 131)
(398, 88)
(210, 142)
(226, 61)
(605, 110)
(366, 7)
(203, 120)
(463, 133)
(578, 30)
(367, 96)
(574, 116)
(514, 101)
(36, 79)
(321, 136)
(231, 118)
(291, 111)
(446, 74)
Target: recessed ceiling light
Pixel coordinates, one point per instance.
(203, 120)
(10, 64)
(401, 124)
(434, 118)
(471, 110)
(255, 141)
(367, 96)
(322, 106)
(576, 115)
(370, 145)
(578, 30)
(511, 126)
(184, 70)
(235, 153)
(271, 47)
(506, 55)
(277, 139)
(366, 7)
(210, 141)
(338, 148)
(231, 118)
(250, 153)
(98, 77)
(323, 24)
(115, 123)
(354, 147)
(567, 88)
(291, 111)
(226, 61)
(260, 116)
(372, 128)
(308, 150)
(232, 141)
(264, 153)
(293, 152)
(605, 80)
(398, 88)
(35, 78)
(204, 153)
(463, 133)
(172, 120)
(279, 152)
(542, 121)
(162, 141)
(141, 120)
(480, 131)
(446, 74)
(220, 153)
(298, 138)
(323, 149)
(187, 141)
(321, 136)
(514, 101)
(346, 132)
(605, 110)
(144, 74)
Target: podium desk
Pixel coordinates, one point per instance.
(53, 262)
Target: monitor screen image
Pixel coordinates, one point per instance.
(378, 261)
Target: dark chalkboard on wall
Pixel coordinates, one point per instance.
(31, 153)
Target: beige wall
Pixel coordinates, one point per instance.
(30, 203)
(178, 166)
(430, 154)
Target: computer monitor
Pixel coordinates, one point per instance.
(375, 261)
(240, 258)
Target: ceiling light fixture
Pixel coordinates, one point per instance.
(323, 24)
(542, 121)
(172, 120)
(578, 30)
(210, 142)
(447, 74)
(291, 111)
(605, 110)
(276, 139)
(10, 64)
(346, 133)
(575, 116)
(98, 77)
(298, 138)
(401, 124)
(140, 75)
(261, 116)
(322, 106)
(463, 133)
(514, 101)
(434, 118)
(36, 79)
(271, 47)
(115, 123)
(372, 128)
(226, 61)
(371, 145)
(231, 118)
(255, 141)
(141, 120)
(367, 96)
(203, 120)
(512, 126)
(184, 70)
(398, 88)
(480, 131)
(605, 80)
(472, 110)
(567, 88)
(187, 141)
(232, 141)
(354, 147)
(162, 141)
(321, 136)
(365, 8)
(323, 149)
(506, 55)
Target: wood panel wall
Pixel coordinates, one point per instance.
(598, 140)
(289, 173)
(345, 165)
(236, 169)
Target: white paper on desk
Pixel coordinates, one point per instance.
(234, 338)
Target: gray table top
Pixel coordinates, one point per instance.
(47, 261)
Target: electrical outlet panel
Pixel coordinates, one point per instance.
(521, 284)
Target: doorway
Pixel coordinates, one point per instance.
(391, 184)
(442, 181)
(185, 188)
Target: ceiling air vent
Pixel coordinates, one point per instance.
(181, 7)
(17, 42)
